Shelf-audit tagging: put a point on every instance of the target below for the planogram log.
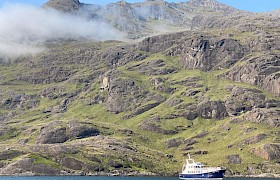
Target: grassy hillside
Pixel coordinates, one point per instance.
(59, 114)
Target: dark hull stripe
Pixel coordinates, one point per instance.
(217, 174)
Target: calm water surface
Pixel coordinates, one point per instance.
(109, 178)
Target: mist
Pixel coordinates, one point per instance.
(25, 28)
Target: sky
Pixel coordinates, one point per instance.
(248, 5)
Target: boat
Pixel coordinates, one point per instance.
(196, 170)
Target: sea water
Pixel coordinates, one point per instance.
(107, 178)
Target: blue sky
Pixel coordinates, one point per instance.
(249, 5)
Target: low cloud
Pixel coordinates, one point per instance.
(24, 29)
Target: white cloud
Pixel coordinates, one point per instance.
(24, 28)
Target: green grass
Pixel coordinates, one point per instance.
(39, 159)
(151, 148)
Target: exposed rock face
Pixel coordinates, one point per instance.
(268, 152)
(234, 159)
(168, 84)
(71, 163)
(142, 109)
(9, 154)
(52, 135)
(173, 102)
(137, 19)
(255, 139)
(125, 94)
(27, 166)
(189, 143)
(57, 132)
(214, 5)
(212, 109)
(174, 143)
(152, 124)
(264, 116)
(20, 101)
(122, 95)
(68, 6)
(243, 100)
(78, 130)
(155, 67)
(212, 54)
(262, 70)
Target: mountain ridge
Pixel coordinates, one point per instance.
(84, 107)
(148, 16)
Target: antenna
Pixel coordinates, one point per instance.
(189, 155)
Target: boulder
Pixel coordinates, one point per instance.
(212, 109)
(71, 163)
(115, 164)
(52, 133)
(190, 142)
(255, 139)
(78, 130)
(156, 81)
(172, 143)
(173, 102)
(268, 152)
(142, 109)
(234, 159)
(201, 134)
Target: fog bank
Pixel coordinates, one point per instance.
(24, 28)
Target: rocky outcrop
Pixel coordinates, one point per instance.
(58, 132)
(142, 109)
(123, 95)
(268, 152)
(213, 5)
(71, 163)
(79, 130)
(154, 67)
(135, 18)
(173, 102)
(263, 116)
(262, 70)
(255, 139)
(153, 124)
(68, 6)
(21, 102)
(242, 100)
(212, 110)
(174, 142)
(10, 154)
(211, 54)
(169, 85)
(27, 166)
(52, 135)
(234, 159)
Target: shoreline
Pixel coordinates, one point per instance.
(30, 174)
